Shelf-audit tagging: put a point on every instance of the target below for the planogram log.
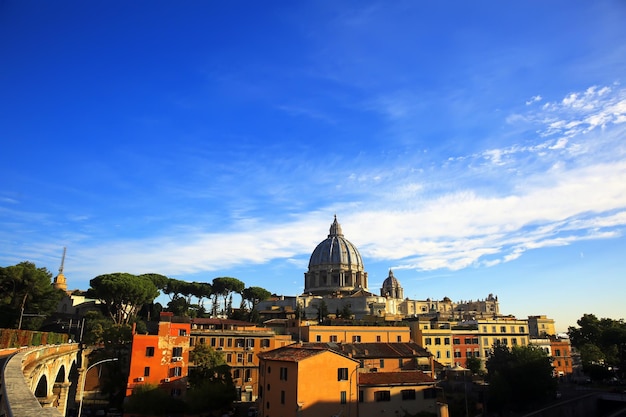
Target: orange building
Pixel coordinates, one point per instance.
(301, 381)
(240, 342)
(561, 352)
(354, 334)
(161, 357)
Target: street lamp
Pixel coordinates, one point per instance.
(82, 391)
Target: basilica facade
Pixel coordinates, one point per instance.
(336, 282)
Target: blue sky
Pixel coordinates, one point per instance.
(473, 147)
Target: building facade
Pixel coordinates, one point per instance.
(240, 343)
(300, 381)
(161, 357)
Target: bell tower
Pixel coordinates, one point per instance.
(59, 280)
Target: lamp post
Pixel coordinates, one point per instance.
(82, 391)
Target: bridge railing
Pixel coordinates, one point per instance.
(18, 399)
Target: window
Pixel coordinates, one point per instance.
(399, 339)
(468, 354)
(229, 342)
(448, 354)
(283, 374)
(342, 374)
(514, 341)
(505, 341)
(502, 329)
(484, 329)
(182, 332)
(221, 342)
(430, 393)
(557, 352)
(249, 343)
(177, 351)
(178, 371)
(486, 341)
(468, 340)
(457, 353)
(282, 397)
(333, 338)
(202, 341)
(265, 343)
(360, 395)
(437, 340)
(400, 363)
(477, 353)
(240, 358)
(512, 329)
(150, 351)
(521, 329)
(382, 396)
(408, 394)
(493, 329)
(229, 357)
(318, 338)
(428, 341)
(474, 340)
(356, 339)
(446, 341)
(382, 363)
(146, 371)
(248, 374)
(378, 338)
(344, 398)
(250, 357)
(236, 373)
(438, 355)
(456, 341)
(213, 341)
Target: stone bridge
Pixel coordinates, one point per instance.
(36, 381)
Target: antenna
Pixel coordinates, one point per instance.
(62, 261)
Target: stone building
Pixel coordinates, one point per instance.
(336, 281)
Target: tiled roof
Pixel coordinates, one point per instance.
(294, 353)
(201, 320)
(395, 378)
(377, 349)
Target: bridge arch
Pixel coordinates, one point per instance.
(39, 381)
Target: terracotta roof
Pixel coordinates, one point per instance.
(241, 323)
(377, 349)
(395, 378)
(294, 353)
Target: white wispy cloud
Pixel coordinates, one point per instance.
(421, 219)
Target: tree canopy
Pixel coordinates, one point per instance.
(518, 378)
(123, 294)
(25, 285)
(601, 343)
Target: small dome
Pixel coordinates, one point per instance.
(391, 281)
(391, 287)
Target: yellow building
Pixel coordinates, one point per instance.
(540, 326)
(507, 331)
(240, 342)
(434, 336)
(354, 334)
(300, 381)
(398, 393)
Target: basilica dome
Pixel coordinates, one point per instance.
(335, 266)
